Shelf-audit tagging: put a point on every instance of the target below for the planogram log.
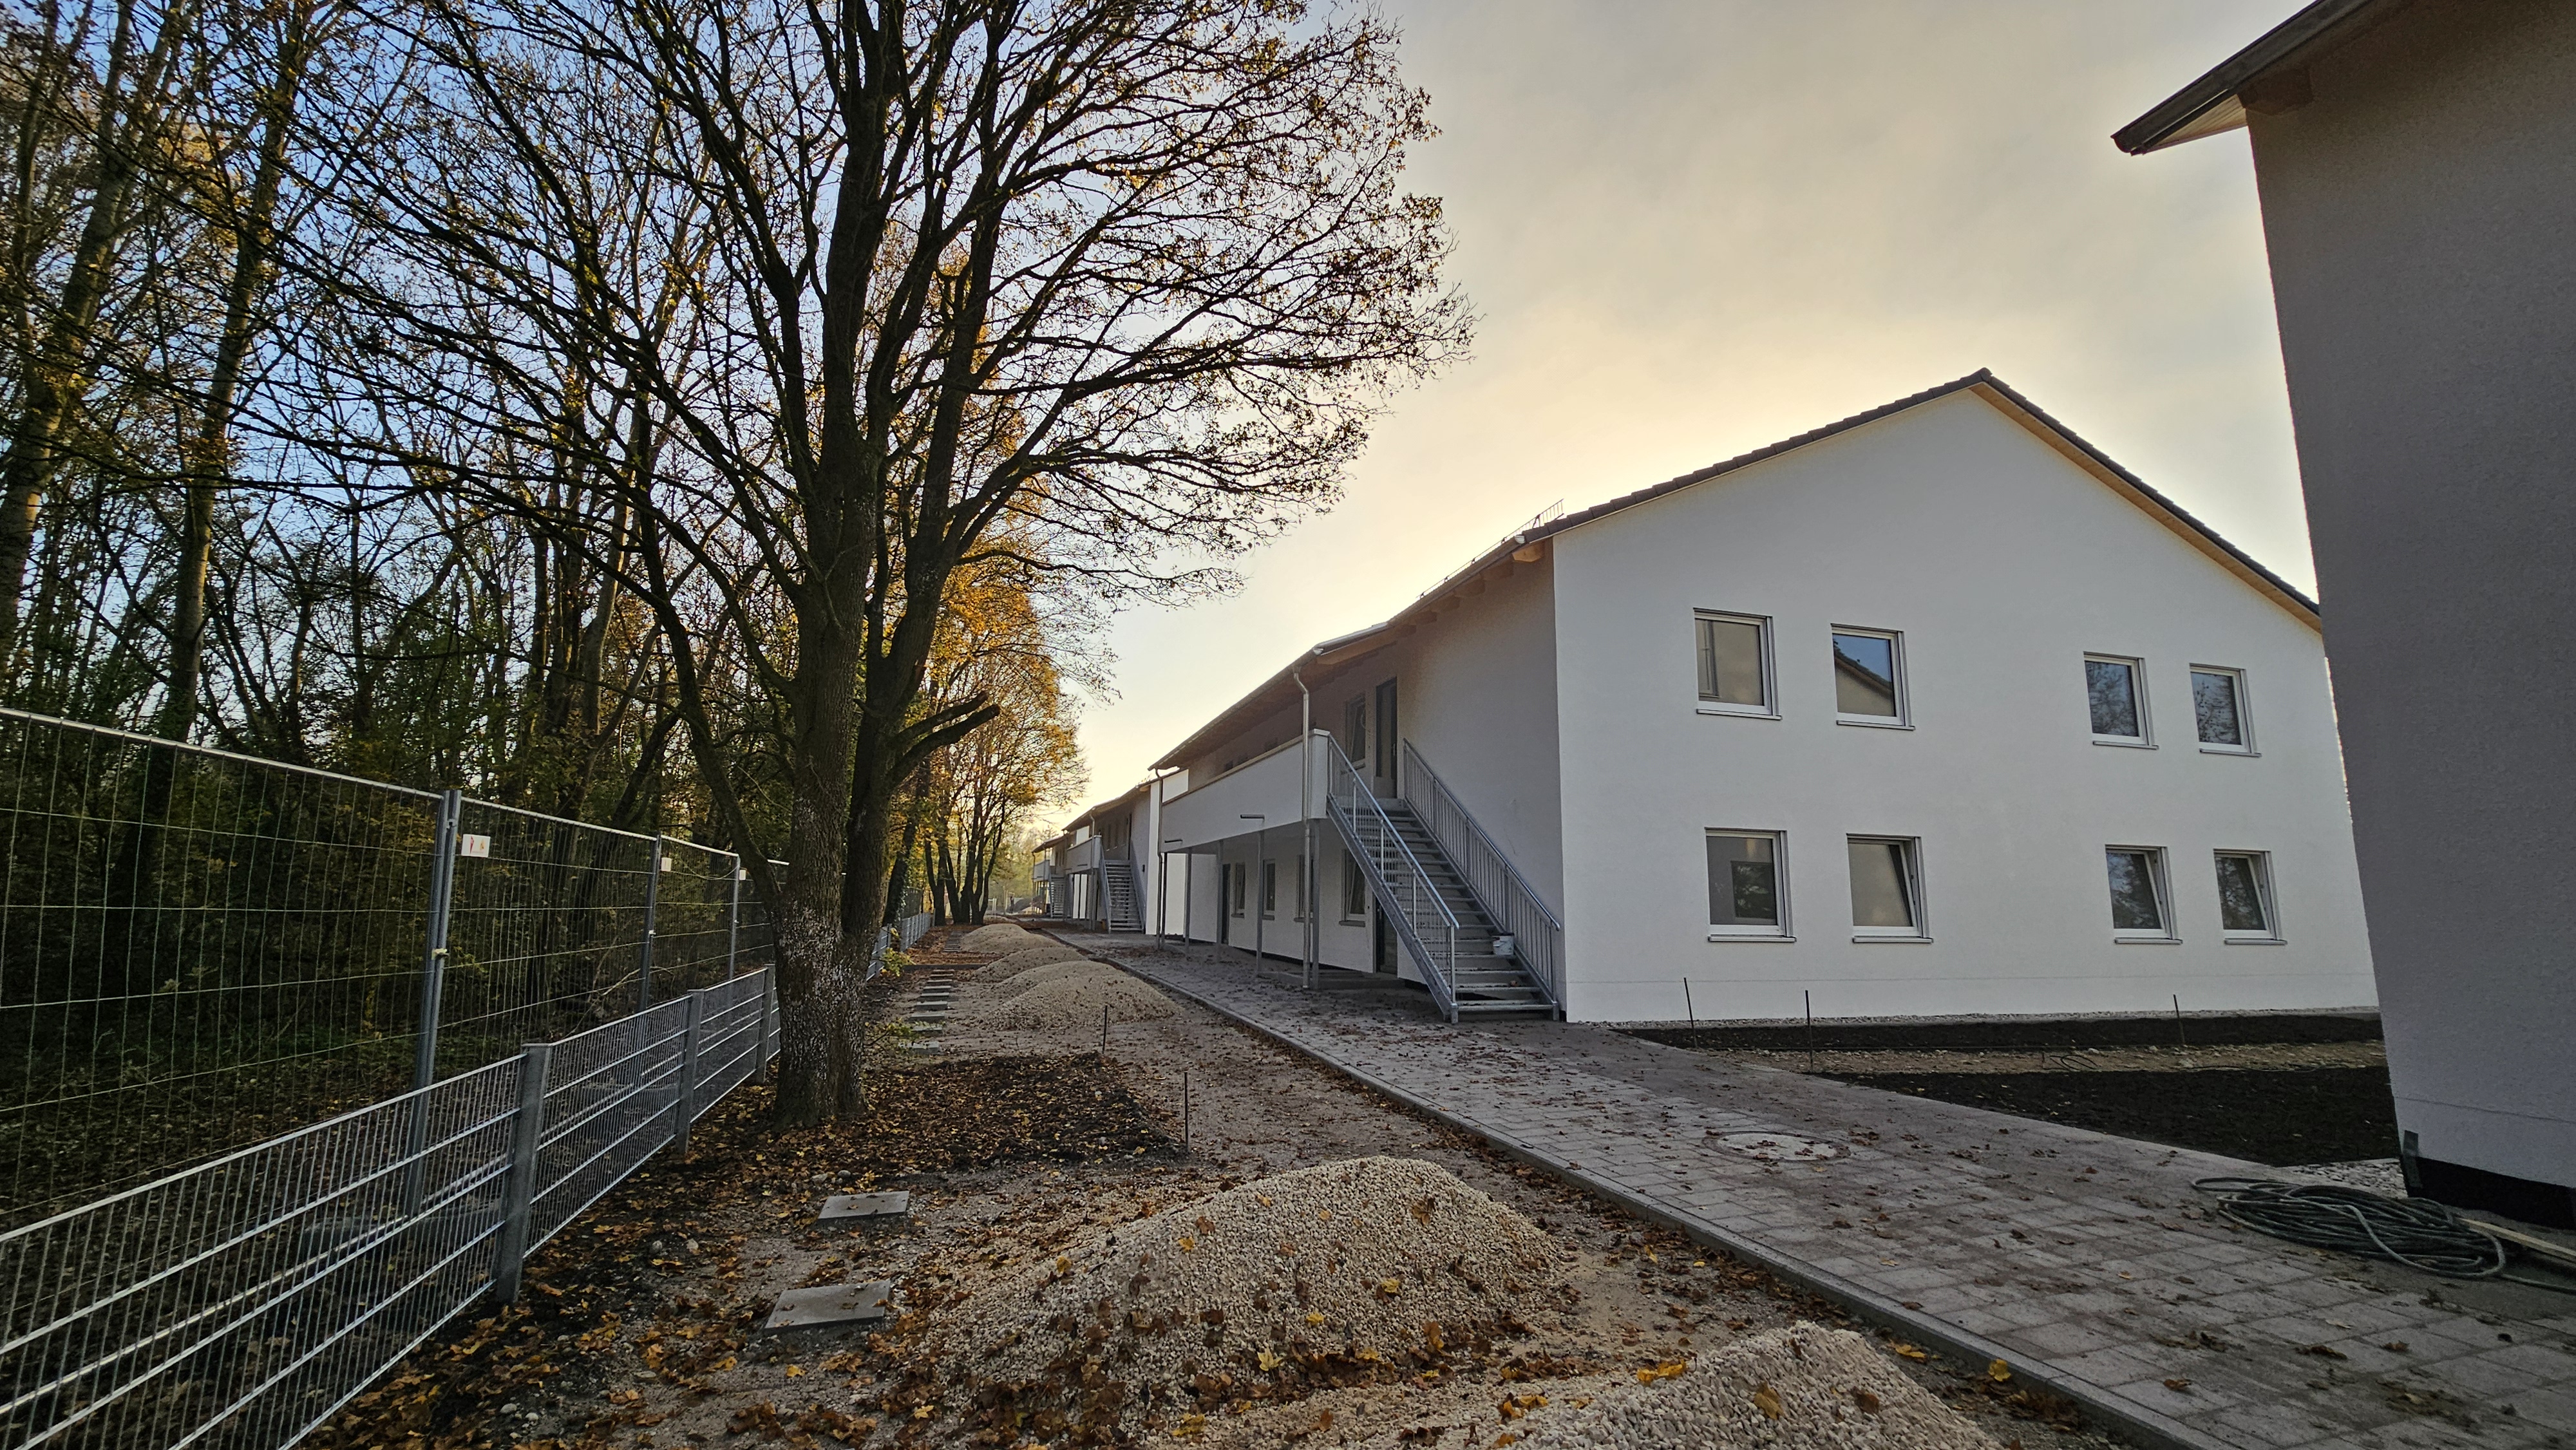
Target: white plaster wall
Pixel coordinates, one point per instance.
(2003, 564)
(2418, 213)
(1477, 697)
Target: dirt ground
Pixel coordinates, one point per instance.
(640, 1324)
(2283, 1089)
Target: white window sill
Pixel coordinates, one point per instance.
(1872, 722)
(1741, 712)
(2257, 941)
(2123, 742)
(2146, 941)
(2231, 750)
(1908, 938)
(1750, 936)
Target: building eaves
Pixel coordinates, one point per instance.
(2264, 76)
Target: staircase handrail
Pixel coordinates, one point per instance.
(1353, 804)
(1521, 909)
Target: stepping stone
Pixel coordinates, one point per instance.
(867, 1205)
(831, 1304)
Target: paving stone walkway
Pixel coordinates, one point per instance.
(2087, 1261)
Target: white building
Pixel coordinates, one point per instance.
(1934, 710)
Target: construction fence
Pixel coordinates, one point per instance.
(200, 951)
(295, 1066)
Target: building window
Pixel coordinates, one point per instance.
(1355, 728)
(2218, 709)
(1297, 907)
(1746, 896)
(2138, 901)
(1886, 887)
(1734, 664)
(1234, 879)
(1355, 889)
(2245, 896)
(1869, 680)
(2116, 691)
(1270, 889)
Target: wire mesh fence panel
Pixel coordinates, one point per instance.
(693, 919)
(197, 951)
(757, 934)
(239, 1303)
(545, 932)
(609, 1096)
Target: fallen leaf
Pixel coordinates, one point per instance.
(1998, 1371)
(1767, 1400)
(2177, 1385)
(1906, 1351)
(1867, 1401)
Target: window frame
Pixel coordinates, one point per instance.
(1269, 891)
(1912, 847)
(2244, 712)
(1779, 931)
(1769, 709)
(1234, 887)
(1903, 719)
(2145, 739)
(2270, 935)
(2160, 881)
(1355, 889)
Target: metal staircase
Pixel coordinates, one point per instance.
(1441, 921)
(1119, 896)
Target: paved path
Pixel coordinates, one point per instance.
(2083, 1259)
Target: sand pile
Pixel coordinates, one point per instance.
(1356, 1270)
(1803, 1386)
(1036, 954)
(1061, 994)
(998, 937)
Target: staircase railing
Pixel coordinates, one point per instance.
(1538, 938)
(1405, 892)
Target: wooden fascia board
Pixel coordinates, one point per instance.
(2154, 507)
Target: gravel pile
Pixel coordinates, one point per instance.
(1063, 994)
(1802, 1386)
(1366, 1269)
(998, 937)
(1035, 954)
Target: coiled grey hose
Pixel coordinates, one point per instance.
(2415, 1232)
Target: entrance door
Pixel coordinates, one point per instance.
(1382, 768)
(1381, 942)
(1225, 902)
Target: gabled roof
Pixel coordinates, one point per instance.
(1281, 689)
(2269, 75)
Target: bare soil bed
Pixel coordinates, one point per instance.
(2301, 1115)
(2277, 1088)
(1035, 1159)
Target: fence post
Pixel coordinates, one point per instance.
(652, 905)
(760, 1044)
(687, 1106)
(527, 1131)
(733, 918)
(433, 967)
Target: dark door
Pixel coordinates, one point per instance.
(1225, 903)
(1382, 769)
(1381, 942)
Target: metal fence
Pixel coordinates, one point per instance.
(242, 1302)
(200, 951)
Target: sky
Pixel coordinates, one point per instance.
(1689, 228)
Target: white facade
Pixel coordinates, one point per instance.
(1555, 687)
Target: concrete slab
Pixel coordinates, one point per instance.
(831, 1304)
(866, 1205)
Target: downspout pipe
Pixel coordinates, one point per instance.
(1306, 872)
